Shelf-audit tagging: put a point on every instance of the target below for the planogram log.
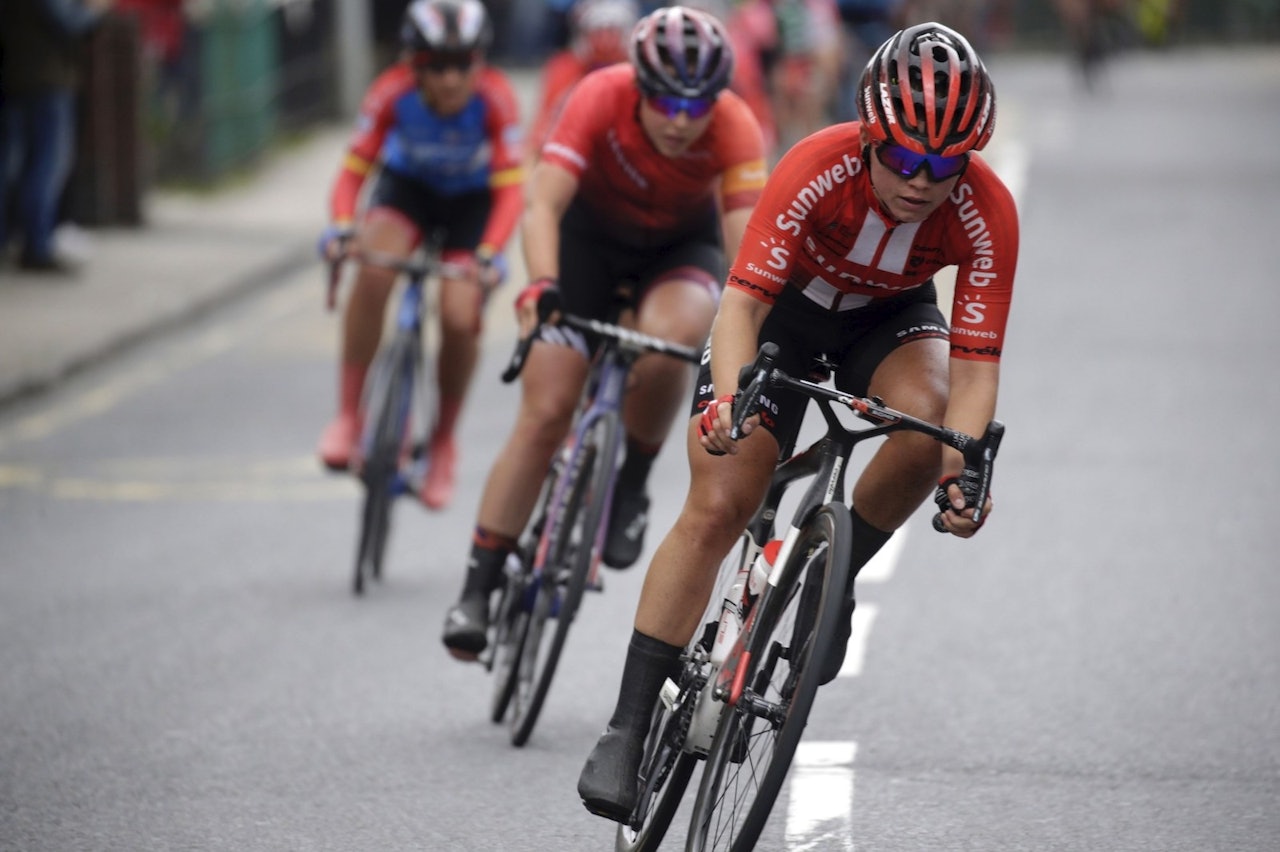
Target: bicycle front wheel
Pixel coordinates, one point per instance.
(571, 530)
(510, 627)
(756, 738)
(387, 421)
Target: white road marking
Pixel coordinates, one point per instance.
(864, 616)
(881, 566)
(818, 807)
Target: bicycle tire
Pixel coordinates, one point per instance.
(387, 413)
(564, 571)
(511, 623)
(756, 739)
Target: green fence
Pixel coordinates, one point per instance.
(238, 74)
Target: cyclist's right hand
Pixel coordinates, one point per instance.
(715, 424)
(537, 302)
(334, 241)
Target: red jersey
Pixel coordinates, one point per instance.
(628, 184)
(561, 73)
(820, 228)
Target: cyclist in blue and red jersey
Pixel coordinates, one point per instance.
(838, 259)
(441, 129)
(649, 176)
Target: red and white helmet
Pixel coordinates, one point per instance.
(926, 90)
(682, 52)
(600, 30)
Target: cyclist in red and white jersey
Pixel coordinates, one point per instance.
(441, 130)
(599, 33)
(838, 259)
(649, 177)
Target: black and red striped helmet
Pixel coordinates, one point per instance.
(926, 90)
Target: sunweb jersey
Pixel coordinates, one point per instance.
(820, 228)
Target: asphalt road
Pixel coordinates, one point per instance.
(183, 666)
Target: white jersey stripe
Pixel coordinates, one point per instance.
(868, 241)
(898, 249)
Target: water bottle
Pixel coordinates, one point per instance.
(730, 621)
(762, 568)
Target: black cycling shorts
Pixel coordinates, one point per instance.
(855, 341)
(458, 221)
(593, 264)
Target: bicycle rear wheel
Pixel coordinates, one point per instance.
(756, 738)
(569, 550)
(387, 422)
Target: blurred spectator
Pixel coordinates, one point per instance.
(867, 25)
(40, 46)
(600, 33)
(165, 51)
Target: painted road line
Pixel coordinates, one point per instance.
(818, 812)
(864, 617)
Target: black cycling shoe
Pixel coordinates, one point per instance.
(628, 521)
(465, 627)
(610, 784)
(834, 657)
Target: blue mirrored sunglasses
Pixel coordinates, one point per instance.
(907, 164)
(671, 106)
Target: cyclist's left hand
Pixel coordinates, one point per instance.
(955, 496)
(491, 271)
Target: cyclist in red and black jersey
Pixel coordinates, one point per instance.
(648, 177)
(442, 130)
(599, 34)
(838, 259)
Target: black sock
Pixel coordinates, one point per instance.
(634, 472)
(484, 570)
(649, 663)
(867, 541)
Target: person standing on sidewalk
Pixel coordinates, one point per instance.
(443, 130)
(40, 56)
(648, 177)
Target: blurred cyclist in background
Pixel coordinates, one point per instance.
(599, 33)
(838, 258)
(649, 177)
(441, 131)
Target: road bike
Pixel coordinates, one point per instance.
(558, 555)
(749, 679)
(398, 404)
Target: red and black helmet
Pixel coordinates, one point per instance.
(926, 90)
(682, 52)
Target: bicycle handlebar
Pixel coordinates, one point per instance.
(979, 453)
(628, 338)
(418, 269)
